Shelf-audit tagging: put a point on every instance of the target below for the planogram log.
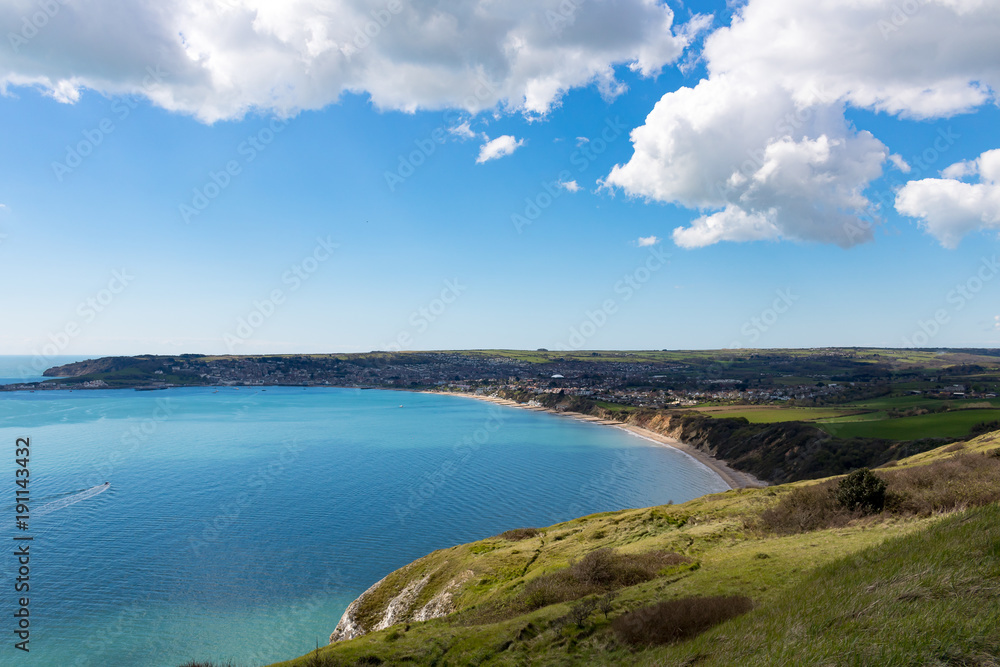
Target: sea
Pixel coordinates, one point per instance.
(237, 524)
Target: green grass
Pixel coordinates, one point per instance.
(930, 598)
(954, 424)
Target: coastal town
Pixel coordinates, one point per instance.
(654, 380)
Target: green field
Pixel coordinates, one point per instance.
(954, 424)
(773, 415)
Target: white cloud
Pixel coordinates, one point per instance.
(463, 131)
(500, 147)
(224, 59)
(897, 160)
(949, 208)
(645, 241)
(762, 144)
(960, 170)
(571, 186)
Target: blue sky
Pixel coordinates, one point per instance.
(118, 254)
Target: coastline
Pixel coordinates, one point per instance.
(734, 478)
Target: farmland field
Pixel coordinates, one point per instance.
(954, 424)
(773, 414)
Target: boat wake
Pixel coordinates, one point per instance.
(73, 499)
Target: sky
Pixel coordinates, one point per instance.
(255, 176)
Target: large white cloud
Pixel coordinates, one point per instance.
(762, 144)
(223, 58)
(951, 208)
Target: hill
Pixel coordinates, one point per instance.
(771, 576)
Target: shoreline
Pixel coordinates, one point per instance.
(733, 478)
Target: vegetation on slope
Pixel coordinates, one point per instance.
(895, 586)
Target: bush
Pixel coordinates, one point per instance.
(804, 509)
(675, 620)
(599, 571)
(518, 534)
(863, 491)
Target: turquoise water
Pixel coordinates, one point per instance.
(241, 522)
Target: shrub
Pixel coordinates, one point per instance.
(607, 603)
(862, 490)
(581, 611)
(518, 534)
(804, 509)
(609, 569)
(674, 620)
(598, 572)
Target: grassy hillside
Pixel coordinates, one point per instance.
(915, 583)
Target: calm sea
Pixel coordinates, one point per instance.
(241, 522)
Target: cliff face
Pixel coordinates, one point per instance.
(403, 596)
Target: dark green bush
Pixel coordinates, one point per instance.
(862, 491)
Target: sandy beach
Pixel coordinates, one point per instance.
(734, 478)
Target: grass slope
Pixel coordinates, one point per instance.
(879, 590)
(929, 598)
